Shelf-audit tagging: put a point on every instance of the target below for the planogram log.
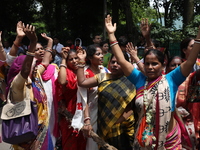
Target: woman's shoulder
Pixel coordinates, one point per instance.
(102, 77)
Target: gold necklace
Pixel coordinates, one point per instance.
(95, 72)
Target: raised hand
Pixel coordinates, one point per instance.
(131, 50)
(109, 26)
(29, 30)
(44, 35)
(64, 52)
(19, 29)
(81, 53)
(145, 27)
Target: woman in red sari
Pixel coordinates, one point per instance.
(67, 90)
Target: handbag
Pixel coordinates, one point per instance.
(19, 121)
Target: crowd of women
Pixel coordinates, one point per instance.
(130, 103)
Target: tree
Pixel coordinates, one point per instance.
(188, 13)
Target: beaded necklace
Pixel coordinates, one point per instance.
(148, 136)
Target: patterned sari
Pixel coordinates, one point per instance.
(114, 96)
(43, 140)
(153, 135)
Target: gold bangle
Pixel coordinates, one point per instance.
(87, 124)
(30, 54)
(81, 64)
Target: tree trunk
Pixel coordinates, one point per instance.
(115, 11)
(188, 13)
(130, 28)
(58, 13)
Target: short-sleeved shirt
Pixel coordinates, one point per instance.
(174, 79)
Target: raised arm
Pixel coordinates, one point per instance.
(18, 39)
(49, 41)
(187, 66)
(145, 29)
(125, 65)
(29, 30)
(2, 52)
(82, 80)
(62, 76)
(47, 55)
(133, 53)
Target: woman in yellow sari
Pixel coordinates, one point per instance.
(115, 94)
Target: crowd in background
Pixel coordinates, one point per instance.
(105, 87)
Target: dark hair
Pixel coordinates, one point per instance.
(70, 51)
(103, 42)
(125, 56)
(184, 44)
(90, 50)
(160, 56)
(95, 36)
(171, 58)
(156, 43)
(122, 41)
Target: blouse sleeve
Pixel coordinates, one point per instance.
(137, 78)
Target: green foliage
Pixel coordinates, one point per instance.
(41, 27)
(78, 18)
(192, 29)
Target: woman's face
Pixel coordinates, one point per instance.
(97, 58)
(153, 67)
(105, 47)
(115, 68)
(72, 61)
(188, 49)
(39, 52)
(174, 63)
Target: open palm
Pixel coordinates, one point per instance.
(19, 29)
(108, 24)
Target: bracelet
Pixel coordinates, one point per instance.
(87, 124)
(138, 62)
(81, 64)
(48, 50)
(198, 42)
(87, 118)
(15, 44)
(63, 65)
(30, 54)
(149, 47)
(113, 44)
(81, 61)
